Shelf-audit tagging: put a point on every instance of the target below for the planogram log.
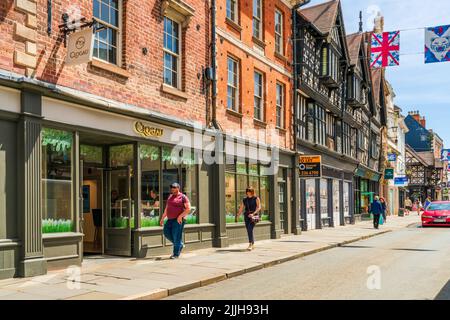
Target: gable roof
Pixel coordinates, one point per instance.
(322, 16)
(354, 46)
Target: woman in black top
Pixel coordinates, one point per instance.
(251, 206)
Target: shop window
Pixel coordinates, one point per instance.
(57, 199)
(91, 154)
(150, 157)
(107, 41)
(121, 156)
(236, 182)
(336, 201)
(346, 204)
(181, 167)
(310, 187)
(323, 198)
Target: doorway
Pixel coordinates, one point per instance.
(106, 197)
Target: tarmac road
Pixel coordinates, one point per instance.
(411, 263)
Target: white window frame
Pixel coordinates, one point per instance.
(258, 18)
(117, 29)
(235, 85)
(280, 120)
(179, 55)
(279, 41)
(235, 7)
(260, 97)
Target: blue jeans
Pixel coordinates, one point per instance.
(250, 226)
(173, 231)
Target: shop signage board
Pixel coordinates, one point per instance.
(445, 155)
(401, 181)
(147, 130)
(310, 167)
(389, 174)
(80, 46)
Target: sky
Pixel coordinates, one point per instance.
(417, 86)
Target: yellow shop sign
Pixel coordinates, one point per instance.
(147, 131)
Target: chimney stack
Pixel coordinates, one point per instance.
(423, 122)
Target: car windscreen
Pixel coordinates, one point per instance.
(438, 206)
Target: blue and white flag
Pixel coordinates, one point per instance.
(437, 44)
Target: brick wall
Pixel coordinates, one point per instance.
(140, 78)
(236, 43)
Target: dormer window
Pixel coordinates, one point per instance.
(330, 66)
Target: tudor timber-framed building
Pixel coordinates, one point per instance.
(339, 115)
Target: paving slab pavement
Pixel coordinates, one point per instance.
(157, 277)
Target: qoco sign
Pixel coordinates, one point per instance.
(80, 47)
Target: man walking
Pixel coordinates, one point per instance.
(376, 209)
(177, 208)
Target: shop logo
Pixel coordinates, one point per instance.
(81, 41)
(147, 131)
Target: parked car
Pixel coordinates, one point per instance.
(437, 214)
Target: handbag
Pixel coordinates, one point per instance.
(381, 219)
(256, 219)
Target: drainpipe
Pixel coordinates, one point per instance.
(213, 67)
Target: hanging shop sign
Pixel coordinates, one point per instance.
(445, 155)
(401, 181)
(392, 157)
(147, 131)
(80, 47)
(388, 174)
(310, 167)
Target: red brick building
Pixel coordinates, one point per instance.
(89, 150)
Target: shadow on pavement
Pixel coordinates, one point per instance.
(415, 250)
(231, 250)
(444, 294)
(357, 247)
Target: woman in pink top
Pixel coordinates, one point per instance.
(177, 208)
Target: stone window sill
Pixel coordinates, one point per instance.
(282, 130)
(260, 123)
(259, 42)
(110, 67)
(234, 25)
(280, 56)
(234, 113)
(173, 91)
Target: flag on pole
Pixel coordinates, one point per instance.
(385, 51)
(437, 44)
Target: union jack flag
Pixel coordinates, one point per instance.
(385, 50)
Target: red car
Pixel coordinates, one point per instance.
(437, 214)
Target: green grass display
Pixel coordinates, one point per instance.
(120, 222)
(150, 222)
(56, 226)
(146, 222)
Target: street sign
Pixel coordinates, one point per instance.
(310, 167)
(80, 47)
(388, 174)
(392, 157)
(401, 181)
